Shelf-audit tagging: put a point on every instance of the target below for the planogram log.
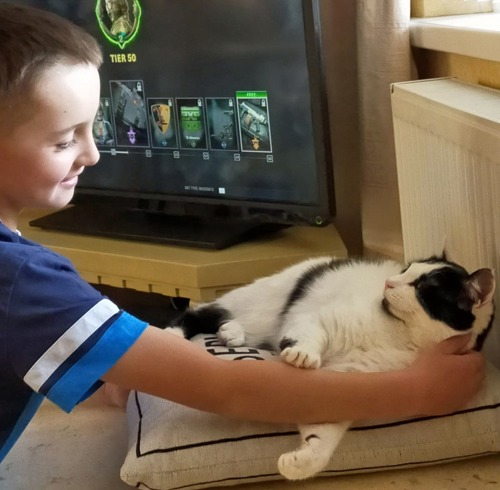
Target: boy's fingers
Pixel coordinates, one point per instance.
(455, 345)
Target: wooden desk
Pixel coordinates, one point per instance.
(198, 274)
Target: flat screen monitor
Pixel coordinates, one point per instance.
(212, 124)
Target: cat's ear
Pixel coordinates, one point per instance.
(444, 251)
(481, 286)
(451, 252)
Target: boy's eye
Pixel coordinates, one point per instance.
(65, 146)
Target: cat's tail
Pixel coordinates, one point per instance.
(204, 319)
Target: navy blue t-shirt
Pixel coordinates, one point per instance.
(58, 335)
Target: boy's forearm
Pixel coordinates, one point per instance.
(440, 381)
(257, 390)
(289, 394)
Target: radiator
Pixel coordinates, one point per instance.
(447, 136)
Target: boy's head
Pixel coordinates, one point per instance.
(49, 95)
(31, 42)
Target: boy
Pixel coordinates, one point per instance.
(60, 339)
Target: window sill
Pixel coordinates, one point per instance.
(475, 35)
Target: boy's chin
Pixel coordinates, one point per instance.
(62, 200)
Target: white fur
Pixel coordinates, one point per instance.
(340, 325)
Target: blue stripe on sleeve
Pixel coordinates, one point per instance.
(87, 371)
(29, 411)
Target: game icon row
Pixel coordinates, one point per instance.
(128, 119)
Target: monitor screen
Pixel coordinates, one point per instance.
(208, 104)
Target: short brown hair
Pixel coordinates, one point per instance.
(33, 40)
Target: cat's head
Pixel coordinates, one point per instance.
(440, 298)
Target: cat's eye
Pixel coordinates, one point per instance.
(430, 281)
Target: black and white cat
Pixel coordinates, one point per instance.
(348, 315)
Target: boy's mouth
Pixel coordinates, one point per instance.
(70, 181)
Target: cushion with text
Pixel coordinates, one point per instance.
(174, 447)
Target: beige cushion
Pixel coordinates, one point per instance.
(171, 446)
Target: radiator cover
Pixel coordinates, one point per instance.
(447, 137)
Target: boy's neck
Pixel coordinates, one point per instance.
(9, 221)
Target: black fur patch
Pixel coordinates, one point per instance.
(443, 295)
(482, 336)
(206, 319)
(309, 277)
(287, 342)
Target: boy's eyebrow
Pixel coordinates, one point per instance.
(61, 132)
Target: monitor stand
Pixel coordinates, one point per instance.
(136, 224)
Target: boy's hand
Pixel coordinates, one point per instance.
(447, 376)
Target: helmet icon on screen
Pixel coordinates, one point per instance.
(119, 20)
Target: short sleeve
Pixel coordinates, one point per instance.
(62, 335)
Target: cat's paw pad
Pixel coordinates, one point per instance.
(301, 358)
(299, 464)
(231, 334)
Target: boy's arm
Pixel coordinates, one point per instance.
(171, 367)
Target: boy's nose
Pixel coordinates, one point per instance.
(95, 155)
(91, 155)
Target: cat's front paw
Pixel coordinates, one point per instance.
(299, 357)
(231, 334)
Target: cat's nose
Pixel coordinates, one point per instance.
(389, 284)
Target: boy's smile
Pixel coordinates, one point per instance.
(70, 181)
(43, 155)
